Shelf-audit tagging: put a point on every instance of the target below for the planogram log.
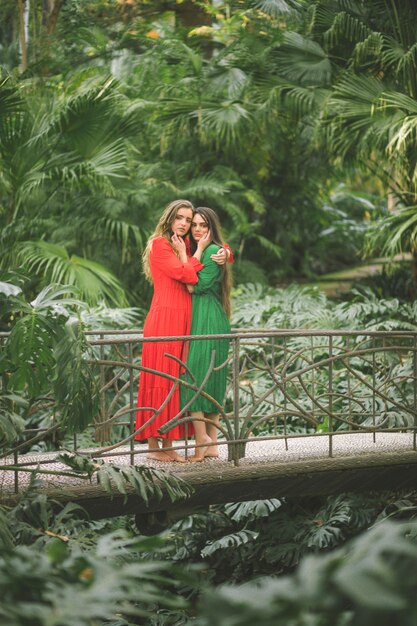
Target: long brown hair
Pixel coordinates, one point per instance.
(213, 222)
(163, 229)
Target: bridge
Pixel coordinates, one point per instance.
(305, 413)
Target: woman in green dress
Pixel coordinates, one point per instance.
(210, 316)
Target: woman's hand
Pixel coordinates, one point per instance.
(178, 244)
(221, 256)
(204, 241)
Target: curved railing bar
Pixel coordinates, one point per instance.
(339, 357)
(175, 420)
(384, 397)
(34, 439)
(380, 386)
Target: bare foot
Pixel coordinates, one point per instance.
(175, 457)
(200, 453)
(212, 452)
(159, 456)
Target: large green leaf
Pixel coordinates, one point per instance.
(75, 385)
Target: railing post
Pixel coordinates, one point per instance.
(236, 450)
(330, 395)
(274, 402)
(313, 382)
(16, 473)
(415, 392)
(101, 432)
(132, 416)
(284, 386)
(373, 388)
(349, 385)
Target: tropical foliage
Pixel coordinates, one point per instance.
(51, 558)
(145, 109)
(296, 121)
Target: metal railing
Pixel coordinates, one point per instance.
(282, 384)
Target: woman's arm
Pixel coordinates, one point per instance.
(165, 260)
(223, 256)
(207, 276)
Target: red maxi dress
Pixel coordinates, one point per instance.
(169, 314)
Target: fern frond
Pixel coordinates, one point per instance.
(148, 483)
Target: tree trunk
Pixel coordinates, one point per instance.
(192, 14)
(50, 14)
(22, 37)
(53, 15)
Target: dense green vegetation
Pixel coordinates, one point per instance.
(294, 119)
(245, 112)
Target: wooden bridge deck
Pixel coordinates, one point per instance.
(268, 470)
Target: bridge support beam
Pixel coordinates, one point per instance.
(217, 483)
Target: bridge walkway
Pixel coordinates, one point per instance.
(270, 469)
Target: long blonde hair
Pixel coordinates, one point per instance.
(213, 222)
(163, 229)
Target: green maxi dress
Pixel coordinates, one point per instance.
(208, 318)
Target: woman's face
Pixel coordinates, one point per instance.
(182, 222)
(199, 226)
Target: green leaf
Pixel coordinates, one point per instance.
(234, 540)
(252, 509)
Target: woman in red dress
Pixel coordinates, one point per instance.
(168, 266)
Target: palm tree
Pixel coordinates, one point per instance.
(62, 160)
(354, 71)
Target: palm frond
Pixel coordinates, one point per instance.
(403, 131)
(278, 8)
(303, 61)
(346, 27)
(208, 185)
(353, 111)
(369, 48)
(124, 234)
(93, 280)
(109, 161)
(298, 101)
(228, 79)
(269, 245)
(324, 13)
(11, 101)
(86, 114)
(255, 200)
(225, 122)
(395, 233)
(237, 215)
